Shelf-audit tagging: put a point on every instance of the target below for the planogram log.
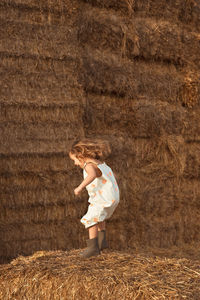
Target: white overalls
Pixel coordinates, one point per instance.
(103, 196)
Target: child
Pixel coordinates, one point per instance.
(102, 188)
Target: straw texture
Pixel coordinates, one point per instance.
(63, 275)
(125, 71)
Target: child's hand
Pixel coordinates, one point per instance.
(77, 191)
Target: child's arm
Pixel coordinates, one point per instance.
(92, 174)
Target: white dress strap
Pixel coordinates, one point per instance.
(89, 162)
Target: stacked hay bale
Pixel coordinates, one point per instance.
(127, 71)
(41, 110)
(141, 75)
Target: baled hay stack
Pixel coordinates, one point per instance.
(185, 12)
(127, 71)
(31, 126)
(147, 56)
(145, 98)
(41, 111)
(32, 78)
(122, 78)
(52, 12)
(144, 38)
(113, 275)
(133, 119)
(34, 211)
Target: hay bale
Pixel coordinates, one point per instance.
(158, 41)
(189, 94)
(122, 78)
(151, 206)
(38, 208)
(36, 162)
(192, 168)
(137, 118)
(186, 12)
(37, 137)
(37, 40)
(113, 77)
(153, 190)
(192, 131)
(55, 82)
(144, 38)
(58, 12)
(138, 90)
(31, 127)
(57, 275)
(163, 212)
(26, 237)
(35, 5)
(62, 113)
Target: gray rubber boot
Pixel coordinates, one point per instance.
(102, 240)
(92, 248)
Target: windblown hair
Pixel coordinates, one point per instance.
(97, 149)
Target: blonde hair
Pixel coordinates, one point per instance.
(87, 148)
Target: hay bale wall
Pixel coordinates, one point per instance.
(41, 112)
(127, 71)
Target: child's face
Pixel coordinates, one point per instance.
(77, 161)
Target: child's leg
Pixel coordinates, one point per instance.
(102, 236)
(101, 226)
(93, 231)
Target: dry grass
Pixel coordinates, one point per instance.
(146, 38)
(134, 118)
(124, 70)
(184, 12)
(113, 275)
(44, 12)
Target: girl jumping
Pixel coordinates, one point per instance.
(102, 188)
